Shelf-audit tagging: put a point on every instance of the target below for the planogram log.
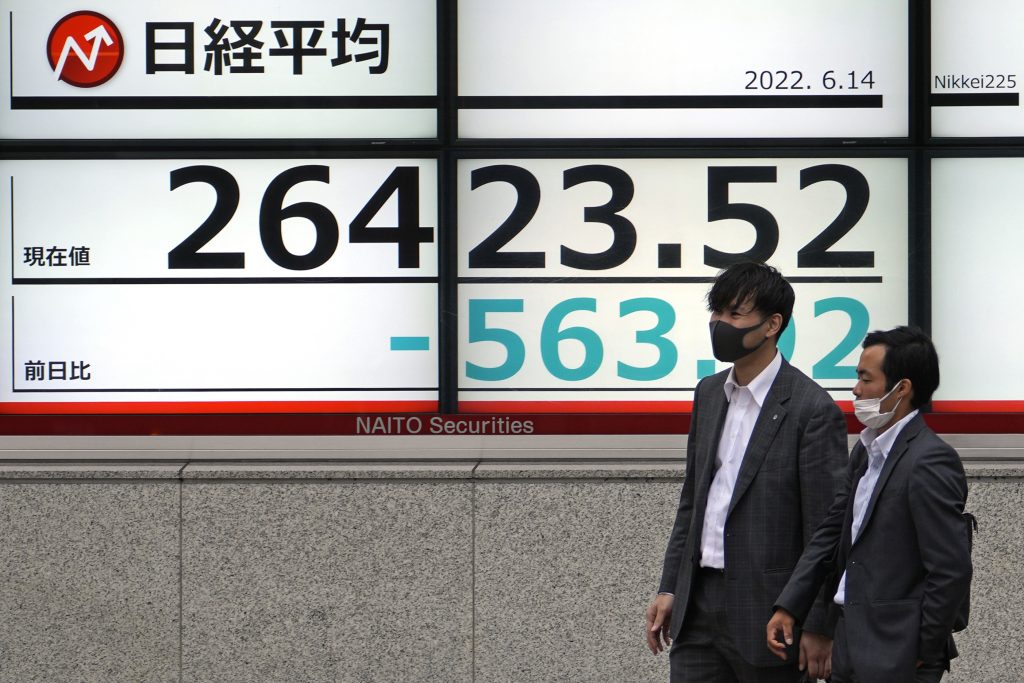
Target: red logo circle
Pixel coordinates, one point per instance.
(85, 49)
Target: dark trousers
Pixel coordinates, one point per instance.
(842, 669)
(705, 651)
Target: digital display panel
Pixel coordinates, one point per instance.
(193, 69)
(576, 281)
(977, 69)
(582, 281)
(605, 69)
(219, 285)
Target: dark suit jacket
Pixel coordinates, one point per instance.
(785, 485)
(910, 568)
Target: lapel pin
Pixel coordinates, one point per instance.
(775, 416)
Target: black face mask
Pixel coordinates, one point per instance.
(727, 340)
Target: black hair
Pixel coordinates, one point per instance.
(759, 283)
(909, 354)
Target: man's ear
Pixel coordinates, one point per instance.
(774, 325)
(906, 389)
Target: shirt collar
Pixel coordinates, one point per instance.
(760, 385)
(885, 441)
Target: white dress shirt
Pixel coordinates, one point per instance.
(878, 448)
(744, 406)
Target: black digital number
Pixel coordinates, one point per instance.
(404, 182)
(273, 214)
(766, 228)
(487, 254)
(187, 254)
(624, 233)
(774, 80)
(408, 235)
(815, 254)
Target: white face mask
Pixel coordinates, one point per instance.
(867, 410)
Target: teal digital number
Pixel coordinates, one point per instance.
(515, 350)
(828, 367)
(667, 352)
(551, 336)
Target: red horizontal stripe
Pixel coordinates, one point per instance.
(516, 407)
(217, 407)
(976, 423)
(384, 407)
(978, 406)
(343, 417)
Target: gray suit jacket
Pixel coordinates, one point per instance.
(910, 568)
(786, 482)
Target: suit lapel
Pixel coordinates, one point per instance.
(898, 450)
(712, 417)
(769, 419)
(859, 463)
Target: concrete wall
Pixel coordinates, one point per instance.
(461, 570)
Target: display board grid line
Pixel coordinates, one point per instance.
(671, 102)
(212, 390)
(982, 99)
(13, 353)
(226, 102)
(487, 390)
(224, 280)
(919, 244)
(611, 280)
(12, 229)
(10, 57)
(918, 70)
(448, 300)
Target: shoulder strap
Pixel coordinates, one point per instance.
(964, 613)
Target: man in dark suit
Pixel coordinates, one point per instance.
(895, 543)
(764, 449)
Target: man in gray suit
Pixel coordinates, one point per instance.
(895, 543)
(765, 446)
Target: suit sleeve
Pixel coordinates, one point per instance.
(937, 493)
(803, 591)
(823, 459)
(680, 528)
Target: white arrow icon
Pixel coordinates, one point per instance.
(98, 36)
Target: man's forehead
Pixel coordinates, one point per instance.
(745, 305)
(871, 358)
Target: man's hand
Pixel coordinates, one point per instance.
(659, 616)
(815, 655)
(780, 633)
